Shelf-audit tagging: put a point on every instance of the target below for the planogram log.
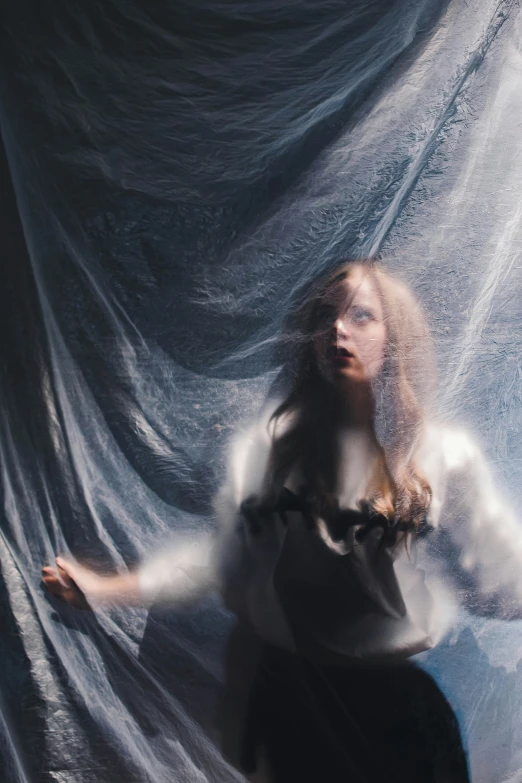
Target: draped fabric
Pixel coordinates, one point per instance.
(173, 174)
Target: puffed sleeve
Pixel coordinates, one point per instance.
(191, 567)
(477, 533)
(182, 574)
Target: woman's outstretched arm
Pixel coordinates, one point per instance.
(180, 574)
(191, 566)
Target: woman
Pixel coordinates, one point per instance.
(340, 520)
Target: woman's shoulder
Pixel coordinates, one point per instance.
(249, 453)
(451, 445)
(452, 461)
(445, 453)
(255, 437)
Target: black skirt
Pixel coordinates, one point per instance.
(358, 724)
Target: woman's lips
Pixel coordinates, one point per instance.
(342, 355)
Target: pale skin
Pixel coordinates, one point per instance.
(74, 584)
(349, 347)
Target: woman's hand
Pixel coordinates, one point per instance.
(77, 585)
(71, 583)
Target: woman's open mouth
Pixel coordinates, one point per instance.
(342, 355)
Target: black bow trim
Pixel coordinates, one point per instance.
(257, 514)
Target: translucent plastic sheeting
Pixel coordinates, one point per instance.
(180, 172)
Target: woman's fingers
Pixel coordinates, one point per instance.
(53, 584)
(55, 577)
(84, 579)
(51, 579)
(60, 583)
(66, 569)
(65, 576)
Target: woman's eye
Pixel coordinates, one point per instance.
(360, 315)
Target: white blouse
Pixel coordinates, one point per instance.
(347, 600)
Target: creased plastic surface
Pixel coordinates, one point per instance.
(180, 171)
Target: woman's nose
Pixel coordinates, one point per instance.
(341, 328)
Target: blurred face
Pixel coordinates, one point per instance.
(350, 333)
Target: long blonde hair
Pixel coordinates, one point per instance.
(398, 489)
